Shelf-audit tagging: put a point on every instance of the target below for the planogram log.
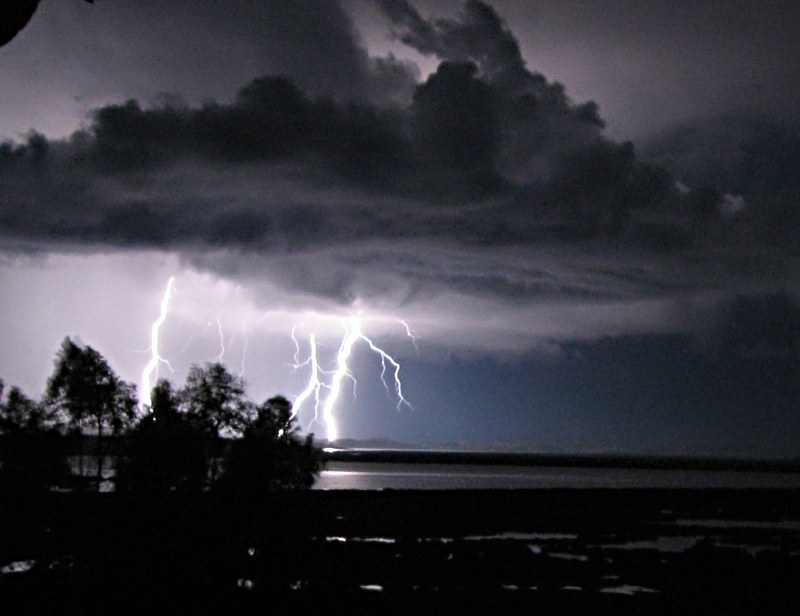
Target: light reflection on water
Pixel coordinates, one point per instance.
(378, 476)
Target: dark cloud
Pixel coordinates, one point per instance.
(74, 56)
(752, 157)
(747, 153)
(314, 44)
(476, 35)
(484, 153)
(520, 166)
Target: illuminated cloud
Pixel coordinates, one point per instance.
(488, 184)
(489, 208)
(480, 205)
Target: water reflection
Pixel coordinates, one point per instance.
(379, 476)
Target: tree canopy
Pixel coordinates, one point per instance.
(205, 434)
(215, 399)
(87, 393)
(165, 451)
(271, 455)
(32, 452)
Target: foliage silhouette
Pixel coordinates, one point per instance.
(165, 451)
(32, 451)
(208, 434)
(214, 398)
(214, 401)
(86, 394)
(271, 455)
(187, 441)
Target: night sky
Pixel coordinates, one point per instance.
(573, 225)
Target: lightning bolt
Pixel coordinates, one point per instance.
(385, 357)
(352, 328)
(221, 342)
(410, 333)
(323, 412)
(314, 383)
(353, 333)
(155, 358)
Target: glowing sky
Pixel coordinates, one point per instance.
(562, 293)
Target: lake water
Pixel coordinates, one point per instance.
(379, 476)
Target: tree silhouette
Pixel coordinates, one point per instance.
(89, 396)
(214, 400)
(271, 455)
(19, 411)
(165, 451)
(32, 451)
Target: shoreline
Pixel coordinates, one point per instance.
(561, 460)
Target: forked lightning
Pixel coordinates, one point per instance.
(318, 377)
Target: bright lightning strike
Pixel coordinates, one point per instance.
(155, 358)
(353, 334)
(398, 386)
(319, 378)
(314, 383)
(221, 342)
(411, 334)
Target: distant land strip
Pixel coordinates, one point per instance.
(575, 460)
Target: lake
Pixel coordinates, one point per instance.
(419, 476)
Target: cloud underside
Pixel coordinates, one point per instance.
(483, 184)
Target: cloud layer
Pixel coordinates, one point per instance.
(348, 185)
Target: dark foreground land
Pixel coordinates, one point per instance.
(489, 552)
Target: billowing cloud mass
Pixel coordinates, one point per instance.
(536, 280)
(346, 183)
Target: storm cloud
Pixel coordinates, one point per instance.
(536, 279)
(341, 195)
